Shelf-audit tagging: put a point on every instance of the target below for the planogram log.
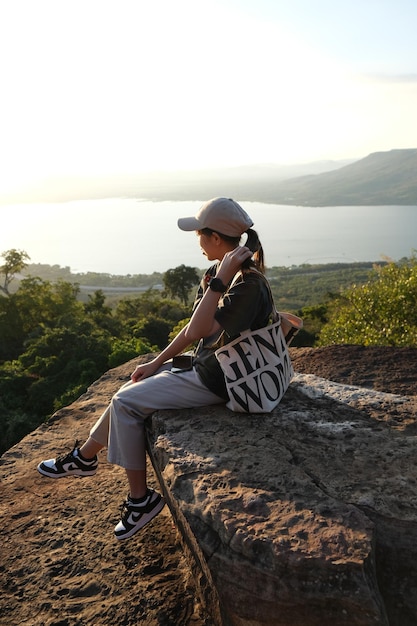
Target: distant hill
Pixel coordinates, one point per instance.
(382, 178)
(379, 179)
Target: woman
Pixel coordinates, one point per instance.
(231, 298)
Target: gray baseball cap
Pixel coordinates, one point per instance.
(223, 215)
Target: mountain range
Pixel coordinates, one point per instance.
(381, 178)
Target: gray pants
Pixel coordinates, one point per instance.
(122, 426)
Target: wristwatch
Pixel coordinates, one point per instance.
(216, 284)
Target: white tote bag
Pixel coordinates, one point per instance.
(257, 369)
(257, 365)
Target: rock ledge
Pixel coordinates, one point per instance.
(305, 516)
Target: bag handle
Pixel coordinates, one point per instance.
(275, 313)
(290, 323)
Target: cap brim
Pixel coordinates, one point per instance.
(189, 223)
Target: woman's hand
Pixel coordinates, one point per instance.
(144, 371)
(232, 262)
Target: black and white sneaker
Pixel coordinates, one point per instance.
(137, 513)
(70, 465)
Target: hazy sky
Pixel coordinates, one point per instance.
(111, 86)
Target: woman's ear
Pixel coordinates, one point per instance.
(216, 238)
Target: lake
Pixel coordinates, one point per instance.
(127, 236)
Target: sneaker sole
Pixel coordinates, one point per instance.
(78, 473)
(144, 520)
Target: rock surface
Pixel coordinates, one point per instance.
(297, 512)
(306, 516)
(59, 562)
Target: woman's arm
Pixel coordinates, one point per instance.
(177, 345)
(203, 322)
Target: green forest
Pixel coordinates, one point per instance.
(59, 331)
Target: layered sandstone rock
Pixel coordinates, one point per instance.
(306, 516)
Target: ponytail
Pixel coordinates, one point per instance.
(255, 246)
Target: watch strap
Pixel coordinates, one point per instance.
(217, 285)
